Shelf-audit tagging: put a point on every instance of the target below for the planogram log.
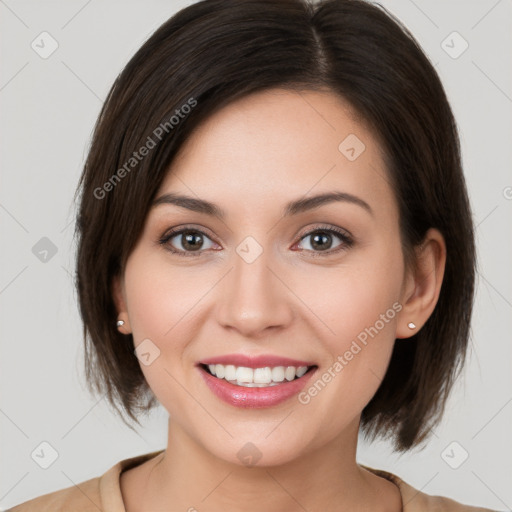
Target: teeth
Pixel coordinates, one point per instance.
(262, 375)
(278, 374)
(257, 377)
(243, 374)
(289, 373)
(230, 373)
(301, 370)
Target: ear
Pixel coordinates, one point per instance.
(119, 298)
(422, 287)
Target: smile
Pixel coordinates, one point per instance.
(255, 382)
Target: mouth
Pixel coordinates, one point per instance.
(254, 385)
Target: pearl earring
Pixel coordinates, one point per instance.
(120, 323)
(411, 325)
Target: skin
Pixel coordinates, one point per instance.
(251, 158)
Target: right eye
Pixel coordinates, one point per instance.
(188, 241)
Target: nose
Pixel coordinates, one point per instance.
(254, 298)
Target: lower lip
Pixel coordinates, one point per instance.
(254, 398)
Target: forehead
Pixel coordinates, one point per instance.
(277, 144)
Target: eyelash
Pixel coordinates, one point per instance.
(345, 238)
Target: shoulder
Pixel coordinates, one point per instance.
(417, 501)
(96, 494)
(83, 497)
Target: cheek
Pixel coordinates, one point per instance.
(162, 304)
(353, 297)
(159, 301)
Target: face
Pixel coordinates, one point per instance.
(320, 284)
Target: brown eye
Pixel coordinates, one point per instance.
(186, 241)
(191, 241)
(322, 240)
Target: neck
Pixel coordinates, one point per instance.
(188, 477)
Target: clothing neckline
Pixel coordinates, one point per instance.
(112, 499)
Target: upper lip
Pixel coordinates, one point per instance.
(260, 361)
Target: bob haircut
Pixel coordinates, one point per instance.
(216, 51)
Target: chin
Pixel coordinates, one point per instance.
(258, 452)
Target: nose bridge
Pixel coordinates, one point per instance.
(252, 298)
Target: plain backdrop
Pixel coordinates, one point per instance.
(48, 108)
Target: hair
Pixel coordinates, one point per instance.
(216, 51)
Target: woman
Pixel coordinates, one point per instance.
(275, 243)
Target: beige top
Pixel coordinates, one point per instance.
(104, 494)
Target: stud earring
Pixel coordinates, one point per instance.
(411, 325)
(120, 323)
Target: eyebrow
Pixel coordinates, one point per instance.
(292, 208)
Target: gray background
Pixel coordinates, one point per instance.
(49, 107)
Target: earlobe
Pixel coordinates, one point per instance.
(422, 294)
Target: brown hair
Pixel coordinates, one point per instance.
(216, 51)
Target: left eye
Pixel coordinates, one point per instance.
(322, 240)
